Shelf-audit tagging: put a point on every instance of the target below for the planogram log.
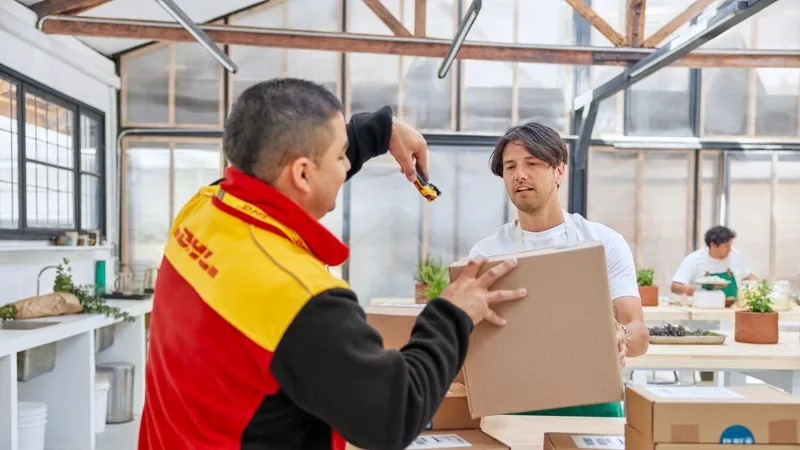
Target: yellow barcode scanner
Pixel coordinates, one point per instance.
(429, 191)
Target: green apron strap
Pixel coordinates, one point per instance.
(613, 409)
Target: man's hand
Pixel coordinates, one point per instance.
(471, 292)
(409, 149)
(682, 289)
(622, 344)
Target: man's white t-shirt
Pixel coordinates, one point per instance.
(619, 259)
(697, 263)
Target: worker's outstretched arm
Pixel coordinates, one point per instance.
(334, 366)
(368, 136)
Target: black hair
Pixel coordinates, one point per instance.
(275, 121)
(541, 141)
(719, 235)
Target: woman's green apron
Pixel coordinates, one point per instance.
(600, 410)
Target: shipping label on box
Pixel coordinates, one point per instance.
(756, 414)
(573, 441)
(558, 348)
(459, 439)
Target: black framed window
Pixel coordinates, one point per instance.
(51, 162)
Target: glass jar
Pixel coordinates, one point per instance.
(781, 295)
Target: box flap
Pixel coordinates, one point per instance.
(756, 414)
(560, 336)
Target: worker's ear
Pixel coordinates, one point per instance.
(559, 178)
(299, 172)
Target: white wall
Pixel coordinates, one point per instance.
(68, 66)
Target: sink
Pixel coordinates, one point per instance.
(24, 324)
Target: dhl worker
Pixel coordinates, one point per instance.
(254, 344)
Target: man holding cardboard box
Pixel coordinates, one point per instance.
(254, 343)
(531, 159)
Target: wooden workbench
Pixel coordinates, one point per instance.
(785, 355)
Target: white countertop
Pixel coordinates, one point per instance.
(12, 341)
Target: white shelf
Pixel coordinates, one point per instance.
(68, 390)
(15, 248)
(13, 341)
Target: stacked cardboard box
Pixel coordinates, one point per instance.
(703, 418)
(452, 426)
(576, 441)
(698, 418)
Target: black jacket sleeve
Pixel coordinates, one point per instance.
(332, 364)
(368, 136)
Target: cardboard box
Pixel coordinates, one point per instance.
(755, 414)
(453, 413)
(559, 346)
(395, 322)
(572, 441)
(472, 439)
(635, 441)
(456, 439)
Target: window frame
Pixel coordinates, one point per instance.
(25, 85)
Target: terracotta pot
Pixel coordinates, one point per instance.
(756, 328)
(419, 293)
(649, 295)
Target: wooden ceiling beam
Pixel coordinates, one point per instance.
(426, 47)
(635, 23)
(61, 7)
(596, 21)
(420, 15)
(670, 27)
(387, 18)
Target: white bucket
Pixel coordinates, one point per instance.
(31, 424)
(101, 387)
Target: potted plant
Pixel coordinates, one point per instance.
(431, 279)
(648, 292)
(758, 323)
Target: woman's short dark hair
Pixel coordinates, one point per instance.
(719, 235)
(543, 142)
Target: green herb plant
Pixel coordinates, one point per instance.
(91, 302)
(644, 277)
(432, 274)
(8, 312)
(757, 298)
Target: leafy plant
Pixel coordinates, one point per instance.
(432, 274)
(91, 302)
(8, 312)
(757, 298)
(644, 277)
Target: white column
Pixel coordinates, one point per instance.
(8, 402)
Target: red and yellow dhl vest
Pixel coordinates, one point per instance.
(241, 261)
